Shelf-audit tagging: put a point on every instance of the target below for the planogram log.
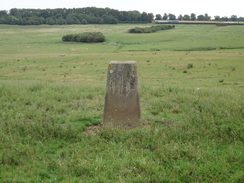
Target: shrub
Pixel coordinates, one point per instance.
(151, 29)
(86, 37)
(221, 81)
(189, 66)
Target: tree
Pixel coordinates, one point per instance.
(193, 16)
(158, 17)
(61, 21)
(124, 16)
(233, 18)
(241, 19)
(83, 21)
(201, 17)
(150, 17)
(109, 19)
(165, 17)
(217, 18)
(208, 18)
(180, 17)
(134, 15)
(3, 13)
(50, 21)
(186, 17)
(58, 16)
(12, 20)
(13, 11)
(224, 18)
(172, 17)
(70, 19)
(144, 17)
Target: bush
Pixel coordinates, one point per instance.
(189, 66)
(151, 29)
(86, 37)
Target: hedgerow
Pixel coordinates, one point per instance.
(151, 29)
(86, 37)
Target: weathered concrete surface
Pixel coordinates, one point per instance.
(122, 104)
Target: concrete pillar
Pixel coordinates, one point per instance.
(122, 104)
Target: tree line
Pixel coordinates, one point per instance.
(194, 17)
(93, 15)
(60, 16)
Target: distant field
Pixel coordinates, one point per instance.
(34, 53)
(191, 85)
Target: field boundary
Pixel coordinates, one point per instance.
(198, 22)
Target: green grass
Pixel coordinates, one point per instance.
(191, 101)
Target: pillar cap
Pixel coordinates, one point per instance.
(122, 62)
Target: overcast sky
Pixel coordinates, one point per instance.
(212, 7)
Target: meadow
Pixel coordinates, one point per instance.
(52, 93)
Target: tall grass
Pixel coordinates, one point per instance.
(187, 136)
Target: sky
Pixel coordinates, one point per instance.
(177, 7)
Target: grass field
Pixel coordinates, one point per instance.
(191, 86)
